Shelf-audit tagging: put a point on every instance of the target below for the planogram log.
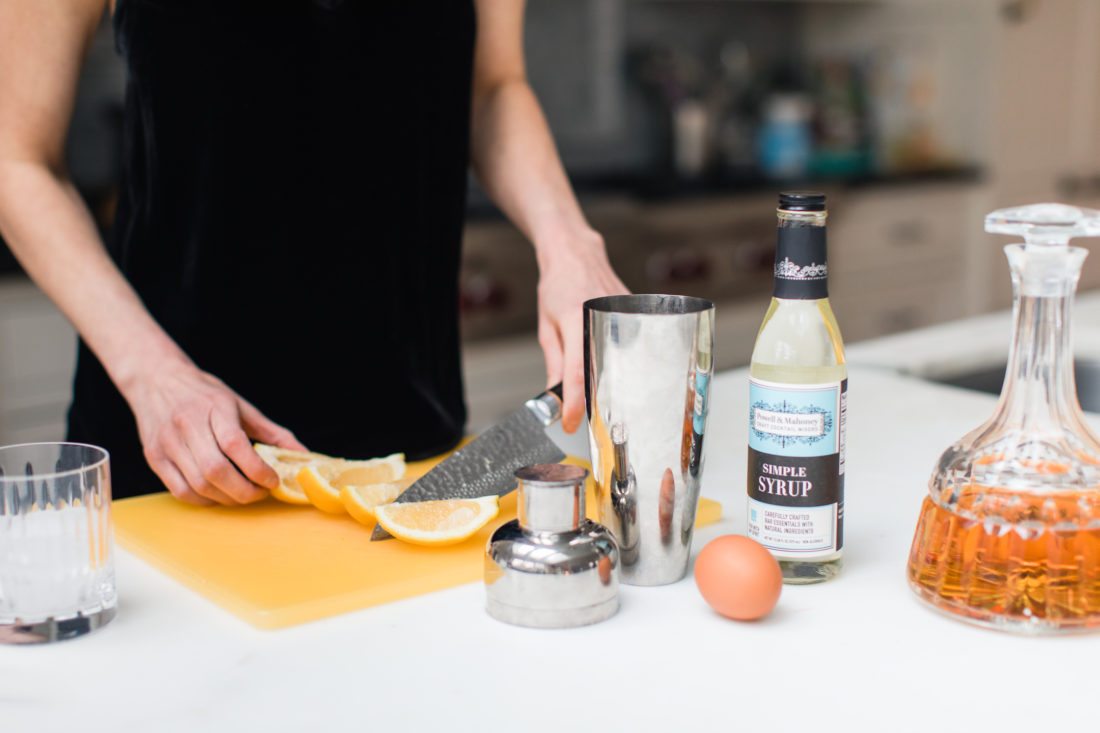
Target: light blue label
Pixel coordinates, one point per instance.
(794, 420)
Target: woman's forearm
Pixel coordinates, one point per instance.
(517, 162)
(518, 165)
(51, 233)
(42, 218)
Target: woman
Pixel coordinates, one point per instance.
(287, 240)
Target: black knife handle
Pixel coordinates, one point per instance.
(547, 406)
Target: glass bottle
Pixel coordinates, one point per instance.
(798, 384)
(1009, 534)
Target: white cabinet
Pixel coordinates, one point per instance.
(1034, 120)
(1044, 117)
(37, 357)
(899, 257)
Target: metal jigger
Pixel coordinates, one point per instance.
(551, 567)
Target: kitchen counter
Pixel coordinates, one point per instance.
(858, 653)
(971, 343)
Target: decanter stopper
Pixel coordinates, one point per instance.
(1045, 224)
(1045, 266)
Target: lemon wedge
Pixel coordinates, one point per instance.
(322, 482)
(360, 473)
(360, 501)
(319, 490)
(441, 522)
(287, 464)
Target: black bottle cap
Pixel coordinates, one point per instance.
(802, 201)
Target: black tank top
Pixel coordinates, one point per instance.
(291, 207)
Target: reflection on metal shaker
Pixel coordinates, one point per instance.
(646, 429)
(621, 494)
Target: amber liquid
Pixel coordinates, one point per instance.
(1018, 572)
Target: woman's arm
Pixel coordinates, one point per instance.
(516, 161)
(194, 430)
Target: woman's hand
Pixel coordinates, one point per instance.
(197, 436)
(571, 271)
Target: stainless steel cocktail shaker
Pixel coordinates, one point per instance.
(551, 567)
(647, 379)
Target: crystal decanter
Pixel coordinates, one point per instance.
(1009, 535)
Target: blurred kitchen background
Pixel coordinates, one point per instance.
(678, 121)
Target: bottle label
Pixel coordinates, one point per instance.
(801, 268)
(796, 467)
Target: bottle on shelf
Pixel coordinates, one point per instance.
(798, 404)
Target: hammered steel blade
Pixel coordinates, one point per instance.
(486, 465)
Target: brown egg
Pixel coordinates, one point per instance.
(738, 577)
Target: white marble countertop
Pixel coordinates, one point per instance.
(858, 653)
(969, 343)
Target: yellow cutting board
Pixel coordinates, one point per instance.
(276, 565)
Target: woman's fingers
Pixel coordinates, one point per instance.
(171, 448)
(215, 470)
(234, 443)
(257, 426)
(572, 379)
(576, 275)
(562, 345)
(550, 341)
(176, 484)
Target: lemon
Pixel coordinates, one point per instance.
(322, 482)
(360, 501)
(441, 522)
(361, 473)
(287, 464)
(320, 491)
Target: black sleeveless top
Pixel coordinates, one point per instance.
(291, 208)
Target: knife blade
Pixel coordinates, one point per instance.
(485, 466)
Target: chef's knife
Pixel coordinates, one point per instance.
(485, 466)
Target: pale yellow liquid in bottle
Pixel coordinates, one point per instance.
(799, 343)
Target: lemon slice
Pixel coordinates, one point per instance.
(442, 522)
(287, 464)
(288, 491)
(319, 490)
(360, 501)
(322, 482)
(360, 473)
